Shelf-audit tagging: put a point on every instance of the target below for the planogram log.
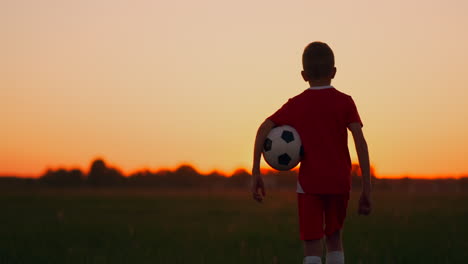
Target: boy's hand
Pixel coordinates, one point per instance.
(258, 187)
(365, 206)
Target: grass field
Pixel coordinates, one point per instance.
(122, 226)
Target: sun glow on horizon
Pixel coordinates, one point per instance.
(226, 173)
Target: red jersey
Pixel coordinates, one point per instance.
(321, 116)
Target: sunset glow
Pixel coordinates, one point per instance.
(154, 84)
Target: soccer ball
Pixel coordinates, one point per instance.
(282, 149)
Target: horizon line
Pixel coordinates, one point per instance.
(228, 174)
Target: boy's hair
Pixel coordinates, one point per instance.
(318, 60)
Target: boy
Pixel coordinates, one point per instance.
(321, 115)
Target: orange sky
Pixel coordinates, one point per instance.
(157, 83)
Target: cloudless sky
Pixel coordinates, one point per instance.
(158, 83)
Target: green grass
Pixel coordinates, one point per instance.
(122, 226)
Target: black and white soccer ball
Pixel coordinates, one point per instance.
(282, 149)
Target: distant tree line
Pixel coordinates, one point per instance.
(186, 176)
(102, 175)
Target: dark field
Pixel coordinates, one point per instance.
(150, 226)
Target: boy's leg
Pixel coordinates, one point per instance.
(310, 209)
(335, 213)
(335, 253)
(334, 242)
(313, 247)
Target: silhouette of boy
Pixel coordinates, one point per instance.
(321, 115)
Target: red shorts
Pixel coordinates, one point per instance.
(321, 214)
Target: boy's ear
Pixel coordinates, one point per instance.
(333, 73)
(304, 76)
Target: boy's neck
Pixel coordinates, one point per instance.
(320, 83)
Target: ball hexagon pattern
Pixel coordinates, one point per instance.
(284, 159)
(287, 135)
(282, 149)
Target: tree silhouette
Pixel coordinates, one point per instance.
(186, 176)
(214, 180)
(101, 175)
(240, 179)
(62, 177)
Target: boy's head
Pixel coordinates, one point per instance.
(318, 62)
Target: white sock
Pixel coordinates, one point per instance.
(312, 260)
(335, 257)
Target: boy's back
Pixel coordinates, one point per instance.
(321, 116)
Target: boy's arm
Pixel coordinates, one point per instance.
(363, 156)
(257, 181)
